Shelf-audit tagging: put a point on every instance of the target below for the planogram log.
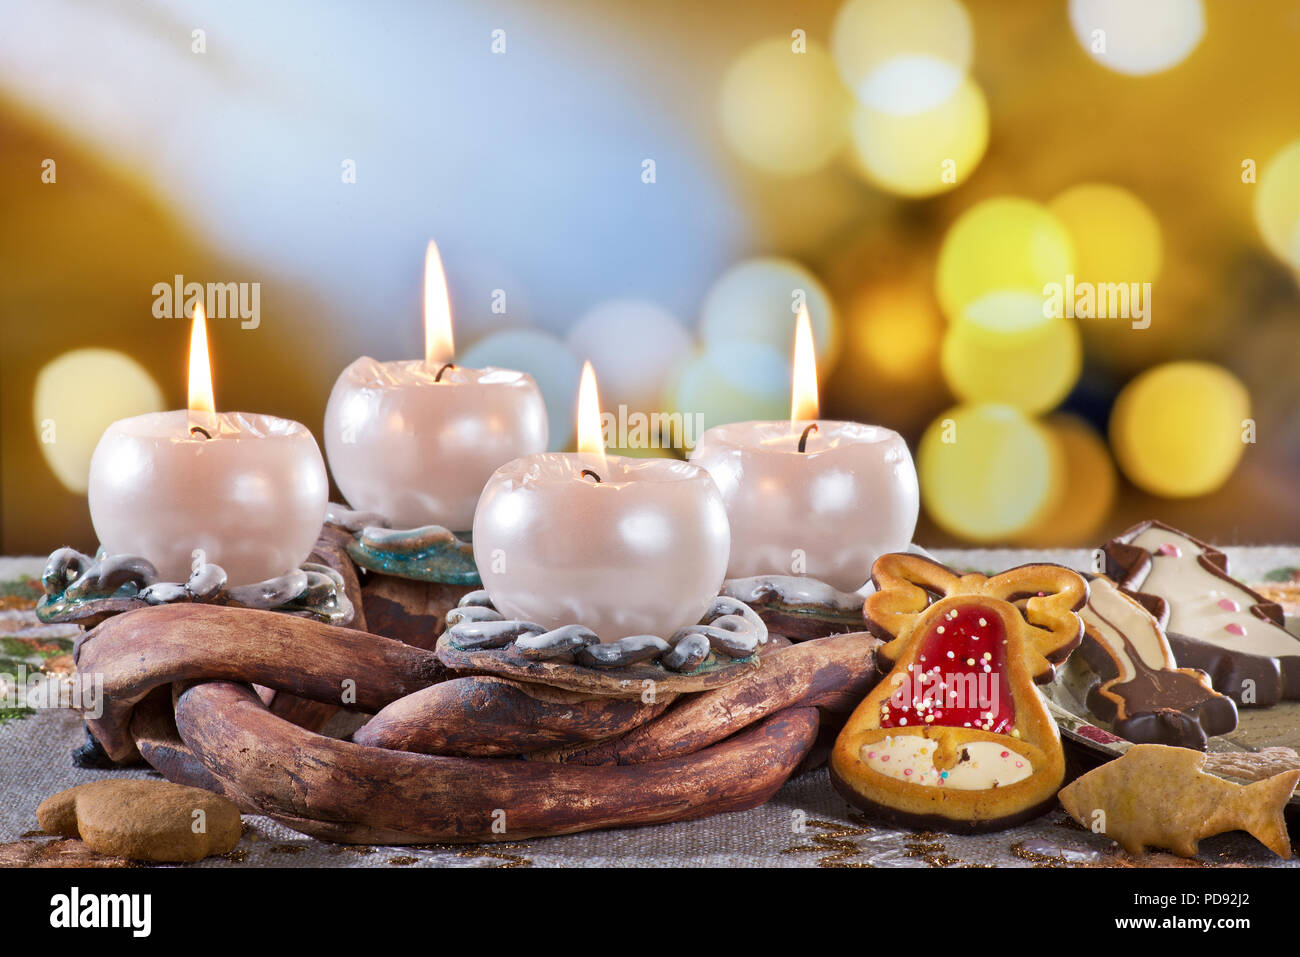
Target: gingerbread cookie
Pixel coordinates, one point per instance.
(1158, 796)
(143, 820)
(1215, 623)
(1142, 691)
(956, 736)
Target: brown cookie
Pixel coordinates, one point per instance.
(1215, 623)
(1158, 796)
(1142, 691)
(1252, 765)
(143, 820)
(956, 736)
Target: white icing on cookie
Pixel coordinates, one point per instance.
(1112, 616)
(910, 758)
(1201, 604)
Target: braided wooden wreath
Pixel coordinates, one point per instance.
(231, 699)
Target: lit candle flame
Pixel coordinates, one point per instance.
(803, 397)
(438, 345)
(591, 443)
(201, 398)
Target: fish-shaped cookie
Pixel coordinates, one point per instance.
(1158, 796)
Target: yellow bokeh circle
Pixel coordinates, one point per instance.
(1179, 430)
(1086, 486)
(77, 396)
(987, 471)
(782, 111)
(895, 330)
(924, 153)
(1004, 349)
(1277, 205)
(1116, 236)
(1006, 244)
(902, 57)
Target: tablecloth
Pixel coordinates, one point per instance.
(805, 824)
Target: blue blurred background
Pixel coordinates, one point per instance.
(651, 186)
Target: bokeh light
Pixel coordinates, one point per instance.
(1178, 429)
(731, 382)
(1138, 36)
(923, 153)
(1116, 236)
(1086, 485)
(1277, 204)
(757, 300)
(902, 58)
(1003, 349)
(784, 112)
(548, 360)
(77, 396)
(987, 471)
(894, 331)
(633, 347)
(1006, 244)
(831, 159)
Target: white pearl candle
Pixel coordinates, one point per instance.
(623, 546)
(253, 496)
(416, 440)
(827, 511)
(249, 490)
(417, 447)
(811, 497)
(642, 551)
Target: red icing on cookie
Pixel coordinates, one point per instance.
(948, 684)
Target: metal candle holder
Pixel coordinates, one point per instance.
(86, 590)
(798, 608)
(728, 641)
(430, 553)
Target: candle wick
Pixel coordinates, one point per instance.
(445, 367)
(803, 439)
(199, 428)
(592, 474)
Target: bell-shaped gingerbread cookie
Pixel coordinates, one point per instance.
(956, 737)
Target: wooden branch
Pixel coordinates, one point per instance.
(153, 726)
(331, 550)
(486, 716)
(341, 791)
(411, 611)
(630, 681)
(142, 650)
(834, 673)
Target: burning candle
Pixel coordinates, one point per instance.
(415, 440)
(810, 496)
(249, 490)
(623, 546)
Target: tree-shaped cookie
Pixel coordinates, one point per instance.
(956, 736)
(1215, 623)
(1141, 690)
